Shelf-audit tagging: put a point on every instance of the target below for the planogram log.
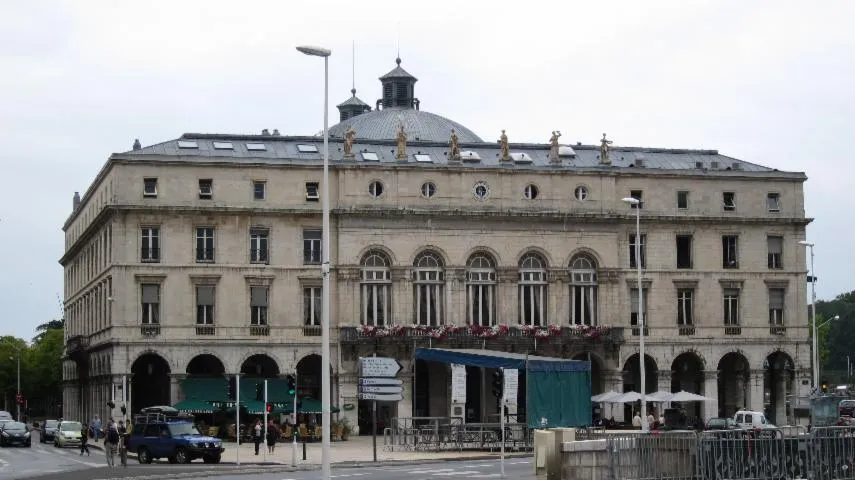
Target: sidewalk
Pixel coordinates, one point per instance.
(356, 450)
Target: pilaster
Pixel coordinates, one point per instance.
(755, 391)
(710, 407)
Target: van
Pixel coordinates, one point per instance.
(4, 415)
(749, 419)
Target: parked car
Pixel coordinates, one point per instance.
(15, 433)
(750, 419)
(4, 415)
(163, 434)
(47, 430)
(67, 434)
(718, 423)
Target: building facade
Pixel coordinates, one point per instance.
(201, 256)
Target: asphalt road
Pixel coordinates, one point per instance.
(23, 462)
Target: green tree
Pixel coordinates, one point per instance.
(10, 348)
(839, 341)
(51, 325)
(44, 371)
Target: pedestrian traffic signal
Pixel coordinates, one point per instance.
(292, 385)
(232, 388)
(259, 392)
(498, 382)
(269, 408)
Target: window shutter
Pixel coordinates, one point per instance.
(151, 294)
(205, 295)
(258, 296)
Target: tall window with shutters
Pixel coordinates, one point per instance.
(259, 245)
(637, 311)
(150, 293)
(204, 309)
(376, 289)
(481, 290)
(775, 255)
(311, 246)
(776, 311)
(731, 311)
(428, 288)
(532, 290)
(258, 305)
(311, 306)
(583, 291)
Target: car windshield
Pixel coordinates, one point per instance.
(14, 426)
(51, 423)
(70, 426)
(183, 429)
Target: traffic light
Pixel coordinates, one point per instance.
(232, 388)
(111, 404)
(292, 385)
(498, 382)
(259, 392)
(269, 407)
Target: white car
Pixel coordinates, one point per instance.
(749, 419)
(68, 434)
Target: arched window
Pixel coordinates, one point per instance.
(376, 286)
(583, 291)
(532, 290)
(428, 282)
(481, 290)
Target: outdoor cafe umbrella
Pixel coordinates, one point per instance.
(605, 397)
(684, 396)
(661, 396)
(630, 397)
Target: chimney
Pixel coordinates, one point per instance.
(265, 132)
(137, 144)
(276, 132)
(76, 201)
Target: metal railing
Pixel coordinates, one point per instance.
(826, 453)
(439, 434)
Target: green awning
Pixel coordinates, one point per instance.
(194, 406)
(209, 389)
(311, 405)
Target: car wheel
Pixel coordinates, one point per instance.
(143, 456)
(181, 456)
(211, 458)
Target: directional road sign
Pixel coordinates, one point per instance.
(368, 389)
(379, 397)
(379, 367)
(380, 381)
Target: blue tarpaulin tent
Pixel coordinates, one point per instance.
(558, 391)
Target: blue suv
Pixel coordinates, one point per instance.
(161, 432)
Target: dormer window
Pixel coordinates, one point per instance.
(307, 148)
(521, 157)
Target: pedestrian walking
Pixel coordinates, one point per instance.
(124, 436)
(111, 443)
(95, 427)
(272, 436)
(257, 437)
(84, 440)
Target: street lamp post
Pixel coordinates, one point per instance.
(814, 342)
(645, 427)
(326, 383)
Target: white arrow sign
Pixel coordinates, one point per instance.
(366, 389)
(380, 397)
(380, 381)
(379, 366)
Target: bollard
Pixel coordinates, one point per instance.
(304, 449)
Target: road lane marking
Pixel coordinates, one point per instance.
(440, 470)
(456, 472)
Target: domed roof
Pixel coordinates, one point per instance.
(419, 126)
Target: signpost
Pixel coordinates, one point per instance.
(377, 383)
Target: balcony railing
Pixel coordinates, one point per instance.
(219, 333)
(469, 334)
(205, 329)
(259, 330)
(76, 343)
(686, 330)
(312, 330)
(150, 254)
(150, 330)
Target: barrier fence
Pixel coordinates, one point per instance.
(439, 434)
(787, 453)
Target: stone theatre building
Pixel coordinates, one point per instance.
(200, 256)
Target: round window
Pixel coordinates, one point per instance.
(428, 189)
(375, 189)
(531, 192)
(581, 193)
(481, 190)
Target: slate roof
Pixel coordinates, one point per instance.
(353, 100)
(398, 72)
(284, 150)
(419, 125)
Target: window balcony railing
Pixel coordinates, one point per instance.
(150, 330)
(312, 330)
(686, 330)
(475, 333)
(777, 330)
(206, 330)
(259, 330)
(150, 255)
(733, 330)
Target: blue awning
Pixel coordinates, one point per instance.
(494, 359)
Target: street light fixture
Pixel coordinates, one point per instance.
(326, 383)
(814, 342)
(645, 427)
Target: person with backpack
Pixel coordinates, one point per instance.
(111, 443)
(124, 436)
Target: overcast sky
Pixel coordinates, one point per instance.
(769, 82)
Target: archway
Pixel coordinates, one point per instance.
(687, 373)
(259, 366)
(778, 377)
(733, 381)
(150, 383)
(632, 379)
(206, 365)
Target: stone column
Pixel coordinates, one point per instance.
(559, 313)
(175, 391)
(402, 297)
(710, 408)
(348, 392)
(755, 391)
(507, 299)
(779, 388)
(663, 384)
